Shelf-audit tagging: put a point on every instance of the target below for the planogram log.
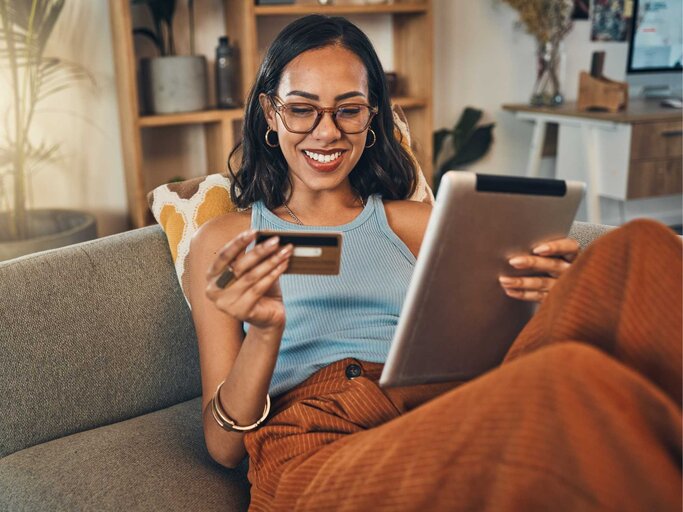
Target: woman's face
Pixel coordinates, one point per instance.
(326, 77)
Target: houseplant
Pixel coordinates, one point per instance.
(33, 76)
(170, 82)
(461, 145)
(548, 21)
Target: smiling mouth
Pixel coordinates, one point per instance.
(322, 158)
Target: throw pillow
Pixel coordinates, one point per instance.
(181, 208)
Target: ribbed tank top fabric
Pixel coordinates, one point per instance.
(350, 315)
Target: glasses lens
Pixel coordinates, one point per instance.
(299, 117)
(353, 118)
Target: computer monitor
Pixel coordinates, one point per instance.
(655, 56)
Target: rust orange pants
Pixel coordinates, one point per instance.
(583, 414)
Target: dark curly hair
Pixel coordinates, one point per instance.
(385, 168)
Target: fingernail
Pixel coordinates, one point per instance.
(507, 280)
(286, 250)
(519, 261)
(513, 293)
(541, 249)
(272, 242)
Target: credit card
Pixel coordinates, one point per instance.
(314, 252)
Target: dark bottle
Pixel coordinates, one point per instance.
(226, 74)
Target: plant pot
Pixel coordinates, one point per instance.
(48, 229)
(174, 84)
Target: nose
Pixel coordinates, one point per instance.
(327, 128)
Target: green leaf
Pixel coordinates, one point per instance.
(160, 9)
(464, 128)
(477, 146)
(448, 165)
(443, 168)
(151, 35)
(162, 12)
(55, 75)
(15, 37)
(6, 158)
(34, 156)
(36, 18)
(47, 22)
(41, 155)
(163, 9)
(439, 137)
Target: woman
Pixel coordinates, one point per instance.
(318, 153)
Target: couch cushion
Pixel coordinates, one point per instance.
(585, 233)
(154, 462)
(92, 334)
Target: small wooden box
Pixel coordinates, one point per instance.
(601, 93)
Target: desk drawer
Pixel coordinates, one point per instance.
(657, 140)
(650, 178)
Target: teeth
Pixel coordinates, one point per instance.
(323, 158)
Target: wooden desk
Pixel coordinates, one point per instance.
(626, 155)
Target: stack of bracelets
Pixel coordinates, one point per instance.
(226, 422)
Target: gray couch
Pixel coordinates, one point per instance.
(99, 383)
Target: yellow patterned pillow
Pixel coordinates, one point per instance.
(181, 208)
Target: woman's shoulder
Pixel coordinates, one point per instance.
(407, 207)
(408, 219)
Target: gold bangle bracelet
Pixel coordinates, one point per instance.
(226, 422)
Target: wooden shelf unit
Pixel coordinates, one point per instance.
(340, 10)
(412, 27)
(205, 116)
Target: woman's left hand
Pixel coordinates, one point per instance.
(552, 258)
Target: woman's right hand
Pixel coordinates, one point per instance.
(253, 295)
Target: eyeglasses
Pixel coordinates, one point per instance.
(349, 118)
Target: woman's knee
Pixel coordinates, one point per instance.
(565, 357)
(569, 364)
(642, 233)
(586, 373)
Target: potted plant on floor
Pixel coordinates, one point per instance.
(33, 76)
(171, 83)
(461, 145)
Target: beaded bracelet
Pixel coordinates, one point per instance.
(226, 422)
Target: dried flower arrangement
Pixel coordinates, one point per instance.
(546, 20)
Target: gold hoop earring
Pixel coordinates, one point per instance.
(374, 139)
(268, 132)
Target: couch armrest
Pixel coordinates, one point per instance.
(585, 232)
(92, 334)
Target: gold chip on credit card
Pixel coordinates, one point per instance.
(314, 252)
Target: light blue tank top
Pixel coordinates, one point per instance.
(353, 314)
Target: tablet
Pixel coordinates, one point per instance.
(456, 321)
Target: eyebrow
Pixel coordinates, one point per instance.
(315, 97)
